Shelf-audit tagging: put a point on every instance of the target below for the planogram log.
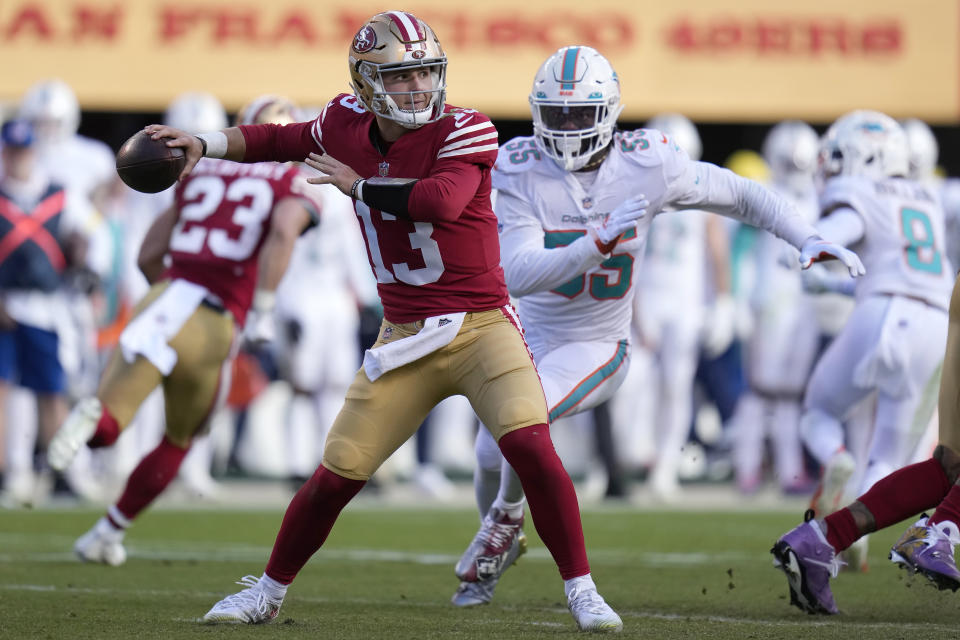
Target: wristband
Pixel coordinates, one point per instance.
(203, 144)
(356, 190)
(215, 144)
(264, 300)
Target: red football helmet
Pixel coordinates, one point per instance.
(390, 41)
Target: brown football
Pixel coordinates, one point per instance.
(149, 165)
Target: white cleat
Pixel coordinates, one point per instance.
(20, 489)
(836, 473)
(592, 613)
(102, 544)
(856, 555)
(472, 594)
(75, 431)
(250, 606)
(498, 543)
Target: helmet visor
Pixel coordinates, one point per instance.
(571, 118)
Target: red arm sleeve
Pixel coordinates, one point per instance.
(279, 143)
(445, 193)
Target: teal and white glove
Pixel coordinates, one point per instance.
(621, 219)
(816, 249)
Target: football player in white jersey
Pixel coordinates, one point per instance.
(784, 342)
(575, 202)
(670, 315)
(892, 344)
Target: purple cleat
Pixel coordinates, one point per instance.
(928, 549)
(809, 562)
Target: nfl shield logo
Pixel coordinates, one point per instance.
(588, 203)
(387, 333)
(384, 169)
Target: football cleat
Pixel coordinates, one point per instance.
(102, 544)
(836, 474)
(855, 556)
(928, 549)
(808, 561)
(471, 594)
(591, 612)
(498, 543)
(250, 606)
(75, 431)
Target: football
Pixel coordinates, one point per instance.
(149, 165)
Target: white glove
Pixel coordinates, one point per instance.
(721, 325)
(622, 218)
(820, 279)
(816, 249)
(261, 324)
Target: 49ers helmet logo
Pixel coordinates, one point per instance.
(418, 53)
(365, 40)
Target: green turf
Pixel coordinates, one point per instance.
(388, 573)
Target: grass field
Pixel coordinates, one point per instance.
(388, 573)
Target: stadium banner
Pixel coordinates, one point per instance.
(735, 61)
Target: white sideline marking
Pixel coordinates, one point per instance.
(799, 623)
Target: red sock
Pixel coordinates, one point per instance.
(906, 492)
(842, 529)
(150, 478)
(108, 430)
(553, 501)
(949, 509)
(308, 521)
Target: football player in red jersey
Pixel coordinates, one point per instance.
(228, 236)
(419, 173)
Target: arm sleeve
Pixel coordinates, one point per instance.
(443, 195)
(843, 225)
(528, 266)
(278, 143)
(706, 186)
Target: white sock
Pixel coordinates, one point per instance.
(274, 590)
(514, 510)
(581, 583)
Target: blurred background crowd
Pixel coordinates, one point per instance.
(724, 338)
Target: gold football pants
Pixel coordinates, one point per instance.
(488, 362)
(949, 402)
(204, 350)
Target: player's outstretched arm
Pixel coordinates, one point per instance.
(228, 144)
(290, 218)
(156, 244)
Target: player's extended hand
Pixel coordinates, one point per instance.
(261, 325)
(622, 218)
(191, 145)
(335, 172)
(816, 249)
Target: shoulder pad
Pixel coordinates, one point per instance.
(845, 191)
(519, 155)
(646, 147)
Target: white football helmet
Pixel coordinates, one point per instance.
(575, 103)
(867, 143)
(391, 41)
(196, 112)
(924, 150)
(268, 109)
(52, 107)
(790, 150)
(683, 132)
